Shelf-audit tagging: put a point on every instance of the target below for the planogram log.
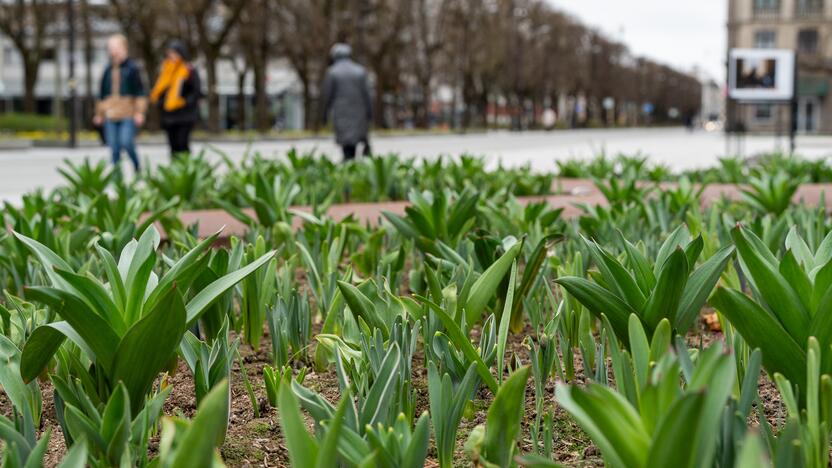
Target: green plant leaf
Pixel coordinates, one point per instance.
(115, 423)
(96, 297)
(599, 301)
(179, 270)
(148, 346)
(43, 343)
(25, 398)
(374, 408)
(664, 301)
(464, 344)
(76, 456)
(530, 275)
(762, 330)
(49, 259)
(138, 272)
(213, 291)
(504, 417)
(774, 289)
(486, 285)
(328, 451)
(92, 328)
(505, 319)
(113, 276)
(640, 351)
(672, 445)
(699, 286)
(676, 239)
(417, 450)
(644, 275)
(610, 422)
(617, 277)
(303, 449)
(208, 426)
(362, 306)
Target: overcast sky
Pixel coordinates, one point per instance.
(679, 33)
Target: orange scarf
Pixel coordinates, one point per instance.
(173, 74)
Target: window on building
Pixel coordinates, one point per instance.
(49, 54)
(807, 40)
(765, 39)
(766, 4)
(10, 56)
(804, 8)
(763, 112)
(766, 7)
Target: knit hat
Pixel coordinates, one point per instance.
(340, 51)
(180, 48)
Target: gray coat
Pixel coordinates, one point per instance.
(346, 93)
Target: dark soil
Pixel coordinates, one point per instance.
(256, 440)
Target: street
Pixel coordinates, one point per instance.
(25, 170)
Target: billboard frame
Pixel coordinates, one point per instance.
(787, 93)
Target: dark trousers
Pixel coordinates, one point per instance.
(349, 150)
(179, 138)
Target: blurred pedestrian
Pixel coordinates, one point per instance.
(549, 118)
(690, 121)
(122, 102)
(346, 93)
(177, 92)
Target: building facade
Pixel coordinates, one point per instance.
(804, 26)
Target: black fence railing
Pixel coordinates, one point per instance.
(766, 12)
(808, 9)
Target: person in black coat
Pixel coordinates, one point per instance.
(177, 93)
(346, 94)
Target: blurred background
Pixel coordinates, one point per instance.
(452, 64)
(435, 64)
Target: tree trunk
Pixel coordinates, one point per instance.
(89, 98)
(423, 117)
(378, 107)
(261, 98)
(241, 99)
(30, 79)
(213, 96)
(310, 120)
(482, 108)
(468, 100)
(260, 65)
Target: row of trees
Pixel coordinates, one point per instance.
(515, 55)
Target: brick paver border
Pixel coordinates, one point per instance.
(572, 193)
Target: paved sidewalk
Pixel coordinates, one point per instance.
(25, 170)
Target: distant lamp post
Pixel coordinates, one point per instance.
(71, 82)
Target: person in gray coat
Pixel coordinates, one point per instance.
(346, 94)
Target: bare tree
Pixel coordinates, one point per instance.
(376, 33)
(89, 52)
(210, 23)
(26, 23)
(306, 31)
(255, 40)
(423, 49)
(501, 58)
